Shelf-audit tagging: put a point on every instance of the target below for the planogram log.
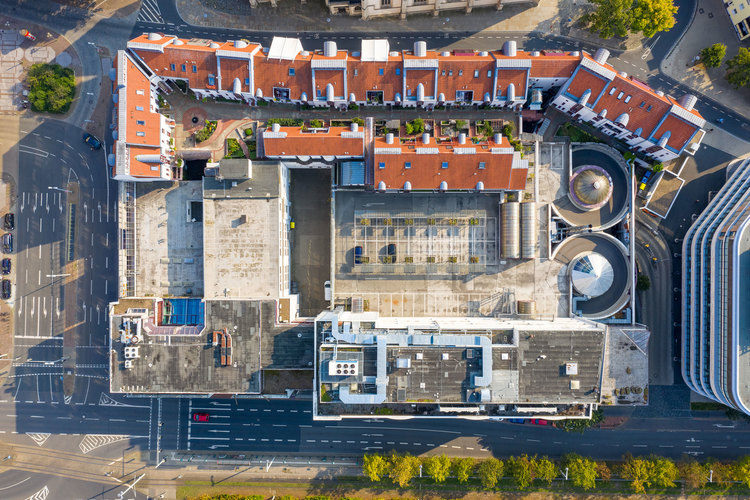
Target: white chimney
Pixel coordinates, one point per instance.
(425, 138)
(389, 138)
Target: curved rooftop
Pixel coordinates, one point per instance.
(590, 187)
(592, 275)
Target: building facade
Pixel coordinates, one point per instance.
(715, 332)
(739, 15)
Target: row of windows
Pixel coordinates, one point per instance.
(407, 165)
(183, 67)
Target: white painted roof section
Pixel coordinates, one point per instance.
(420, 63)
(428, 151)
(237, 54)
(122, 158)
(284, 48)
(348, 134)
(122, 94)
(598, 68)
(375, 50)
(319, 62)
(513, 63)
(519, 162)
(465, 151)
(387, 151)
(687, 115)
(274, 135)
(156, 47)
(502, 151)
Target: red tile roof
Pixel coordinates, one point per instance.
(318, 144)
(680, 132)
(554, 66)
(586, 80)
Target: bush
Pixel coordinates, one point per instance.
(490, 471)
(403, 468)
(508, 130)
(203, 134)
(657, 167)
(462, 468)
(285, 122)
(374, 467)
(233, 149)
(579, 425)
(713, 56)
(642, 283)
(487, 129)
(51, 87)
(315, 123)
(248, 132)
(460, 125)
(359, 121)
(521, 470)
(438, 467)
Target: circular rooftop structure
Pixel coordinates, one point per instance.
(592, 275)
(590, 187)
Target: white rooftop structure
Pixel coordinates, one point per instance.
(375, 50)
(592, 275)
(284, 48)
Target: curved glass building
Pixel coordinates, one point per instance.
(716, 296)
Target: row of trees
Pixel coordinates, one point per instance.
(523, 471)
(623, 17)
(739, 66)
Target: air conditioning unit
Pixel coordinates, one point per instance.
(345, 368)
(128, 364)
(131, 353)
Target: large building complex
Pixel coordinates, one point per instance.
(716, 290)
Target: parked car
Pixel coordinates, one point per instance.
(6, 289)
(7, 243)
(6, 266)
(10, 221)
(539, 421)
(327, 290)
(92, 141)
(200, 417)
(358, 254)
(517, 420)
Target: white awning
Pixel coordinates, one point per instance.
(375, 50)
(284, 48)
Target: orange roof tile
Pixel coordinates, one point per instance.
(459, 76)
(364, 76)
(179, 58)
(553, 67)
(323, 143)
(586, 80)
(680, 132)
(142, 169)
(270, 73)
(144, 126)
(424, 76)
(333, 76)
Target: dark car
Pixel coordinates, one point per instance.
(392, 253)
(200, 417)
(6, 289)
(6, 266)
(7, 243)
(92, 141)
(358, 254)
(517, 420)
(10, 221)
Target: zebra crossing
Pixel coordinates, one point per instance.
(93, 441)
(40, 495)
(150, 12)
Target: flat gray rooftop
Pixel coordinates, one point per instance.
(243, 234)
(488, 287)
(169, 246)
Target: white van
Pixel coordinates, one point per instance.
(327, 290)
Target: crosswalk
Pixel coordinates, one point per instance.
(150, 12)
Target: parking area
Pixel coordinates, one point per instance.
(310, 192)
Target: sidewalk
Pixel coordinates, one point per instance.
(313, 16)
(705, 31)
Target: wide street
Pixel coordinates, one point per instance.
(65, 274)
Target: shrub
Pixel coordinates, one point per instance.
(233, 149)
(490, 471)
(460, 124)
(582, 471)
(487, 129)
(403, 468)
(713, 56)
(438, 467)
(359, 121)
(315, 123)
(521, 470)
(374, 467)
(694, 475)
(203, 134)
(51, 87)
(285, 122)
(248, 132)
(658, 167)
(643, 283)
(544, 469)
(462, 468)
(508, 130)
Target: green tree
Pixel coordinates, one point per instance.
(643, 283)
(51, 87)
(713, 56)
(652, 16)
(490, 471)
(657, 167)
(460, 124)
(315, 123)
(694, 474)
(438, 467)
(664, 472)
(521, 470)
(544, 469)
(742, 471)
(403, 468)
(638, 471)
(739, 68)
(582, 472)
(374, 466)
(462, 468)
(581, 424)
(611, 18)
(508, 130)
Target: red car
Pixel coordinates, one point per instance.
(539, 421)
(200, 417)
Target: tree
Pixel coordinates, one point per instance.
(603, 471)
(374, 467)
(438, 467)
(652, 16)
(490, 471)
(739, 68)
(521, 470)
(638, 471)
(417, 125)
(460, 125)
(544, 469)
(403, 468)
(694, 474)
(721, 473)
(643, 283)
(462, 468)
(582, 472)
(664, 472)
(621, 17)
(51, 87)
(713, 56)
(742, 471)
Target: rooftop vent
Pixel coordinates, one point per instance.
(571, 368)
(389, 138)
(509, 48)
(240, 44)
(420, 49)
(343, 368)
(425, 138)
(154, 36)
(601, 55)
(275, 127)
(330, 49)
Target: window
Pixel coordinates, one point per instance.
(139, 91)
(476, 73)
(407, 164)
(247, 81)
(489, 74)
(355, 71)
(139, 108)
(291, 71)
(450, 72)
(481, 165)
(444, 164)
(211, 80)
(385, 3)
(140, 122)
(195, 68)
(612, 90)
(398, 71)
(140, 134)
(381, 72)
(442, 73)
(627, 99)
(460, 72)
(649, 107)
(172, 66)
(643, 103)
(381, 165)
(619, 96)
(183, 68)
